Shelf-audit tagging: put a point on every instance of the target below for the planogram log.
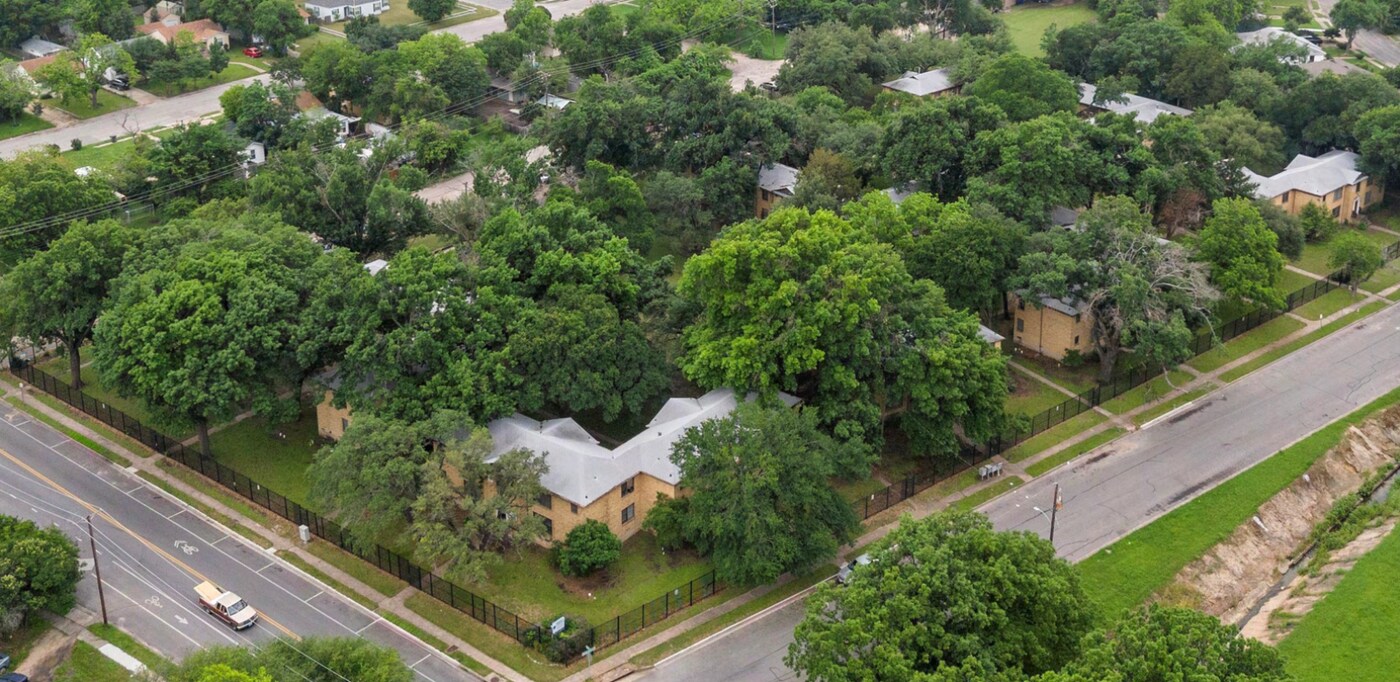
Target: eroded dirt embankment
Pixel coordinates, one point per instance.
(1230, 579)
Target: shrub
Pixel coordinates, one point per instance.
(76, 144)
(1318, 224)
(569, 644)
(588, 548)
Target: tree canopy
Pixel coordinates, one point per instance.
(939, 591)
(40, 569)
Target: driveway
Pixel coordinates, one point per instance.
(1132, 481)
(154, 549)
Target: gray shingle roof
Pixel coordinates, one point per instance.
(1316, 176)
(582, 471)
(778, 178)
(1268, 34)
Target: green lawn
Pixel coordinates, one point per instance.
(1031, 396)
(528, 662)
(984, 495)
(1348, 634)
(86, 664)
(1289, 281)
(1304, 340)
(234, 71)
(1326, 304)
(1146, 393)
(765, 45)
(1075, 450)
(317, 38)
(530, 586)
(1050, 438)
(19, 642)
(105, 156)
(1384, 278)
(263, 63)
(126, 643)
(399, 13)
(253, 448)
(1077, 379)
(1316, 255)
(58, 367)
(1235, 348)
(107, 102)
(1027, 23)
(1159, 410)
(1130, 570)
(25, 124)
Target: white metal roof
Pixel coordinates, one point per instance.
(1268, 34)
(779, 178)
(1144, 109)
(988, 335)
(922, 84)
(1316, 176)
(581, 470)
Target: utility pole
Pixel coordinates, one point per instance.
(1054, 508)
(101, 597)
(773, 17)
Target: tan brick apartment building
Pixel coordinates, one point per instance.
(618, 486)
(1054, 328)
(775, 182)
(1331, 181)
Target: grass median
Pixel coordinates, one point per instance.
(1130, 570)
(1301, 341)
(1074, 451)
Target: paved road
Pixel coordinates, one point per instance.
(163, 112)
(1128, 483)
(154, 550)
(1379, 46)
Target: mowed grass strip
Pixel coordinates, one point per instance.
(1350, 634)
(1129, 571)
(1246, 343)
(1075, 450)
(1027, 23)
(1057, 434)
(1329, 328)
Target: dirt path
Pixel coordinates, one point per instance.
(49, 651)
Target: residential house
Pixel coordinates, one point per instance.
(899, 193)
(990, 336)
(337, 10)
(775, 181)
(38, 47)
(1269, 34)
(1144, 109)
(313, 109)
(935, 83)
(1053, 328)
(28, 70)
(1331, 180)
(586, 480)
(206, 32)
(554, 102)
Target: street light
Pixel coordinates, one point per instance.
(1054, 509)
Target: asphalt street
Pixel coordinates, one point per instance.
(1135, 479)
(154, 550)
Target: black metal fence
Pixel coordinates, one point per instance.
(1205, 340)
(463, 600)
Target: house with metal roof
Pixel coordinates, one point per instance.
(586, 480)
(775, 181)
(1269, 34)
(1332, 181)
(38, 47)
(1144, 109)
(935, 83)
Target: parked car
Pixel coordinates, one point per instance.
(4, 662)
(843, 576)
(253, 51)
(226, 606)
(14, 677)
(768, 86)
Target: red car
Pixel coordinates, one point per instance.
(253, 51)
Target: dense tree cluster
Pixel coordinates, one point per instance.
(313, 659)
(40, 569)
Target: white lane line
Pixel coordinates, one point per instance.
(181, 511)
(221, 539)
(318, 593)
(424, 658)
(270, 564)
(371, 624)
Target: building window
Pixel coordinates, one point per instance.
(573, 508)
(1076, 339)
(548, 525)
(1283, 198)
(545, 500)
(1020, 325)
(628, 486)
(629, 513)
(1337, 195)
(344, 424)
(764, 193)
(1020, 304)
(764, 214)
(1336, 211)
